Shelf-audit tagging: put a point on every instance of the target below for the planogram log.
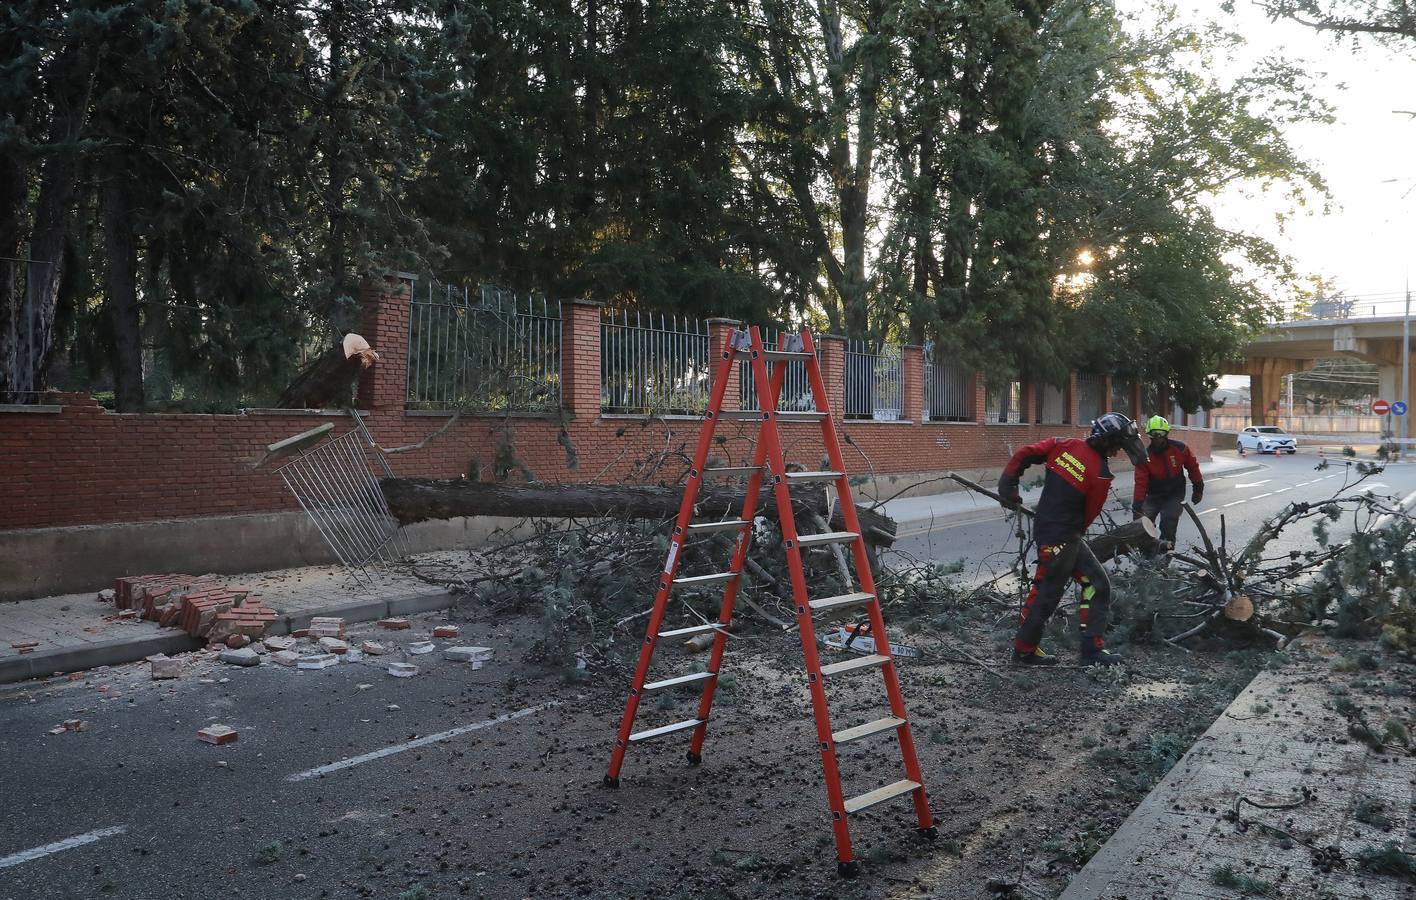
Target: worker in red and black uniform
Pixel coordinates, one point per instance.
(1160, 483)
(1076, 482)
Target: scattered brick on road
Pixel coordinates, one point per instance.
(218, 734)
(397, 624)
(446, 631)
(402, 670)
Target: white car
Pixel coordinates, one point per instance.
(1267, 439)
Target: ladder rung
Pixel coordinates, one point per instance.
(725, 525)
(705, 580)
(812, 476)
(677, 682)
(664, 729)
(692, 629)
(784, 354)
(829, 537)
(853, 665)
(866, 730)
(733, 471)
(741, 415)
(841, 601)
(793, 416)
(879, 795)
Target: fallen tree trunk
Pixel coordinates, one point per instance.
(1138, 535)
(417, 499)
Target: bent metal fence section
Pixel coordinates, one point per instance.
(336, 482)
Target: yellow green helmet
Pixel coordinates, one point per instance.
(1157, 423)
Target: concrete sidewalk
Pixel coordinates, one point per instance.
(1280, 737)
(915, 514)
(72, 632)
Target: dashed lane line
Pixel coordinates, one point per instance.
(77, 840)
(1235, 503)
(1261, 496)
(416, 743)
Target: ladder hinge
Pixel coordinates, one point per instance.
(741, 340)
(791, 343)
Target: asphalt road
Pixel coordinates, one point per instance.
(1241, 502)
(134, 806)
(348, 782)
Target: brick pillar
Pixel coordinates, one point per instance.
(1027, 402)
(833, 372)
(913, 400)
(1137, 411)
(719, 331)
(580, 358)
(980, 398)
(385, 306)
(1074, 400)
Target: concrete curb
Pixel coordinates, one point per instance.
(118, 651)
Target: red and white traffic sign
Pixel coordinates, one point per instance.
(1380, 407)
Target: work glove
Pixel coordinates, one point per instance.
(1135, 511)
(1197, 493)
(1010, 499)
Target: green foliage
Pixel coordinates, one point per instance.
(1389, 859)
(1025, 186)
(269, 854)
(1226, 876)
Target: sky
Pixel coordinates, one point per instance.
(1366, 242)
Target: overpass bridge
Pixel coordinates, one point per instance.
(1369, 333)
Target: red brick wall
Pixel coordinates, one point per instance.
(86, 466)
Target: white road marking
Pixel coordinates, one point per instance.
(1261, 496)
(89, 837)
(1326, 477)
(1235, 503)
(1205, 512)
(1281, 490)
(1253, 483)
(416, 743)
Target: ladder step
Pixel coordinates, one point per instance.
(677, 682)
(866, 730)
(812, 416)
(692, 629)
(771, 355)
(841, 602)
(725, 525)
(665, 729)
(879, 795)
(705, 580)
(805, 477)
(741, 415)
(853, 665)
(732, 471)
(829, 537)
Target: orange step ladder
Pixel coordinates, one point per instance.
(769, 464)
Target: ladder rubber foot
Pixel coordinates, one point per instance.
(694, 759)
(611, 782)
(928, 833)
(848, 869)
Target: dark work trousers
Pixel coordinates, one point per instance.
(1057, 565)
(1165, 513)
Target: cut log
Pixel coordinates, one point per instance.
(418, 499)
(1138, 535)
(328, 380)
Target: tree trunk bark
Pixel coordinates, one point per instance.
(417, 499)
(52, 222)
(1138, 535)
(122, 277)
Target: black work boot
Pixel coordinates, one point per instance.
(1093, 655)
(1035, 657)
